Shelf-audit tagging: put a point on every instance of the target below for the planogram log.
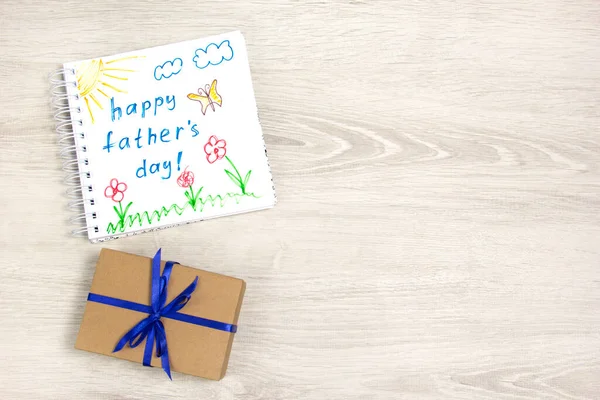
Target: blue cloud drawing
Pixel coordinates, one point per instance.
(213, 54)
(168, 69)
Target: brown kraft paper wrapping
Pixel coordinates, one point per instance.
(193, 349)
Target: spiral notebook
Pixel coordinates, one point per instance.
(161, 137)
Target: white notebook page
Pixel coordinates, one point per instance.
(170, 135)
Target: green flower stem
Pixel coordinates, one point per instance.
(192, 198)
(233, 165)
(239, 180)
(122, 213)
(192, 202)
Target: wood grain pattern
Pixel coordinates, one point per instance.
(438, 228)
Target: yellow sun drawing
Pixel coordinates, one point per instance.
(96, 77)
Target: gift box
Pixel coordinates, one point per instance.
(161, 314)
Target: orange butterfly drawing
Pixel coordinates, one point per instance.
(207, 97)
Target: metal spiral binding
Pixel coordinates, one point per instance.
(71, 139)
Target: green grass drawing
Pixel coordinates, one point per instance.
(150, 217)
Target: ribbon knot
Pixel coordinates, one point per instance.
(151, 328)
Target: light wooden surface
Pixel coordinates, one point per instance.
(438, 228)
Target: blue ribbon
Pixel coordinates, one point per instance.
(151, 327)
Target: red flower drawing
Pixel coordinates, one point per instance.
(186, 179)
(116, 190)
(215, 149)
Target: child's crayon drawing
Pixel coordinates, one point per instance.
(116, 192)
(215, 149)
(186, 180)
(207, 97)
(213, 54)
(168, 69)
(167, 142)
(97, 77)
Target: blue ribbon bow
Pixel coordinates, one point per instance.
(151, 327)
